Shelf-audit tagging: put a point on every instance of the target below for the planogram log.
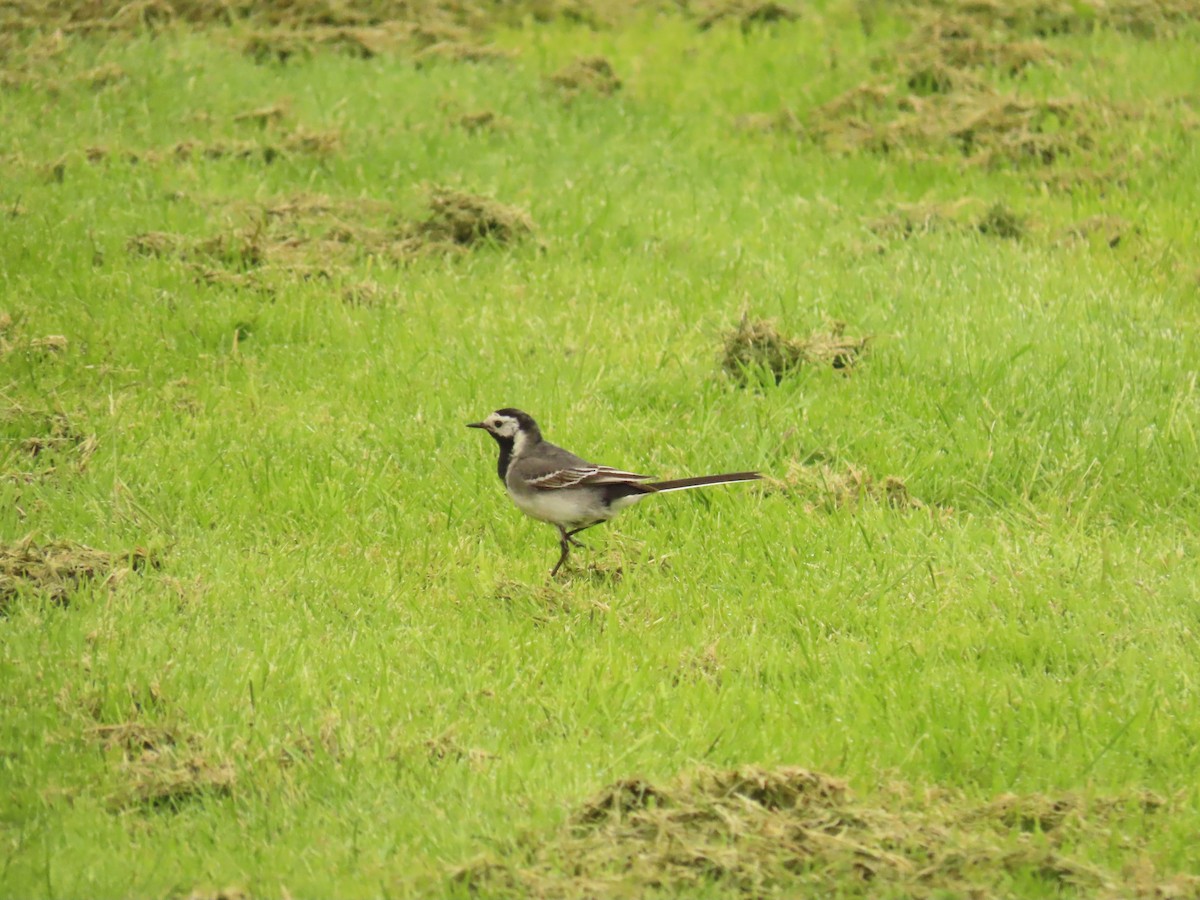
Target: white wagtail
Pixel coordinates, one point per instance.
(570, 493)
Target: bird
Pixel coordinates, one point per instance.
(553, 485)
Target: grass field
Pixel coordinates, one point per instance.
(269, 626)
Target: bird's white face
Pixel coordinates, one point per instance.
(501, 425)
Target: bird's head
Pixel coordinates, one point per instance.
(508, 425)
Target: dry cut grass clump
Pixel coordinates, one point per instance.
(1109, 230)
(747, 13)
(160, 767)
(368, 27)
(297, 143)
(757, 346)
(460, 52)
(469, 220)
(230, 892)
(45, 442)
(909, 220)
(792, 832)
(314, 236)
(967, 216)
(978, 124)
(940, 95)
(97, 79)
(823, 487)
(11, 341)
(1046, 18)
(420, 41)
(480, 120)
(58, 568)
(126, 16)
(446, 747)
(955, 44)
(163, 782)
(588, 74)
(135, 738)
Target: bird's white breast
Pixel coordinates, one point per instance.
(565, 507)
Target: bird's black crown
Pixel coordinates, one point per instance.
(524, 419)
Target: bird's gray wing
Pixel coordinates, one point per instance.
(580, 477)
(554, 469)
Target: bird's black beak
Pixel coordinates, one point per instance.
(476, 425)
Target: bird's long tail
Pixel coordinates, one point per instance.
(683, 484)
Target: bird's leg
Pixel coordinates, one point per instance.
(571, 535)
(563, 538)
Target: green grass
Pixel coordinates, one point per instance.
(348, 605)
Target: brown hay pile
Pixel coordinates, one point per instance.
(162, 767)
(979, 124)
(229, 892)
(427, 16)
(160, 781)
(367, 294)
(1010, 129)
(937, 97)
(460, 52)
(132, 15)
(1046, 18)
(41, 444)
(282, 44)
(50, 344)
(135, 738)
(279, 31)
(757, 346)
(1109, 230)
(791, 832)
(825, 488)
(313, 236)
(908, 220)
(57, 569)
(482, 120)
(960, 42)
(56, 431)
(446, 747)
(469, 220)
(747, 13)
(241, 248)
(359, 18)
(263, 116)
(300, 142)
(589, 74)
(1002, 222)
